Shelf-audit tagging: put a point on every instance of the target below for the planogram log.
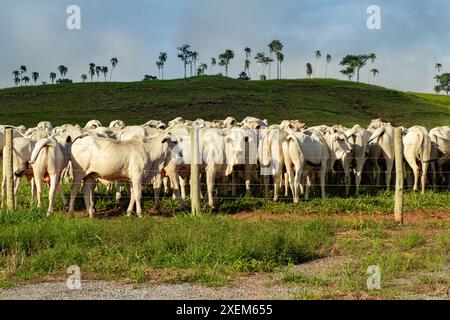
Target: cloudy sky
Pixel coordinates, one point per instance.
(414, 35)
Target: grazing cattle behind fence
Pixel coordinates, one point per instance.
(229, 154)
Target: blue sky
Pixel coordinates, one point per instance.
(414, 36)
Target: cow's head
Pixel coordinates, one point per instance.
(22, 169)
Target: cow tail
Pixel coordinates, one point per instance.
(38, 148)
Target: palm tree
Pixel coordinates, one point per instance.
(274, 47)
(162, 59)
(374, 73)
(35, 76)
(213, 63)
(184, 55)
(159, 66)
(17, 81)
(114, 61)
(260, 58)
(203, 67)
(328, 58)
(194, 58)
(23, 70)
(438, 67)
(16, 75)
(222, 63)
(318, 55)
(372, 57)
(98, 69)
(309, 70)
(63, 70)
(52, 77)
(105, 71)
(84, 77)
(92, 70)
(247, 67)
(248, 52)
(280, 59)
(227, 56)
(26, 80)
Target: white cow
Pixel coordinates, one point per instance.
(305, 150)
(112, 160)
(23, 147)
(117, 124)
(271, 156)
(45, 125)
(93, 124)
(49, 158)
(16, 134)
(440, 154)
(339, 149)
(417, 147)
(155, 124)
(381, 144)
(359, 140)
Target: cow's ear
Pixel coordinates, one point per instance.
(68, 139)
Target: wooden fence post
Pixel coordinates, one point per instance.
(8, 158)
(398, 175)
(195, 179)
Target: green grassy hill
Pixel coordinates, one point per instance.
(312, 101)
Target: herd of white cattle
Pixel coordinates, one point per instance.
(290, 155)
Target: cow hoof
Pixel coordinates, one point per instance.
(129, 214)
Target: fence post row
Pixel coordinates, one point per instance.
(195, 179)
(398, 211)
(8, 158)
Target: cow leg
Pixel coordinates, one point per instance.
(276, 185)
(322, 174)
(132, 202)
(210, 178)
(424, 175)
(165, 181)
(38, 182)
(182, 187)
(73, 193)
(308, 185)
(290, 180)
(16, 188)
(248, 179)
(51, 193)
(137, 191)
(88, 186)
(389, 166)
(61, 193)
(415, 169)
(346, 165)
(358, 178)
(157, 190)
(33, 190)
(173, 177)
(295, 182)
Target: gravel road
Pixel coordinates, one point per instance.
(100, 290)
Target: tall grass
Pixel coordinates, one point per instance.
(125, 248)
